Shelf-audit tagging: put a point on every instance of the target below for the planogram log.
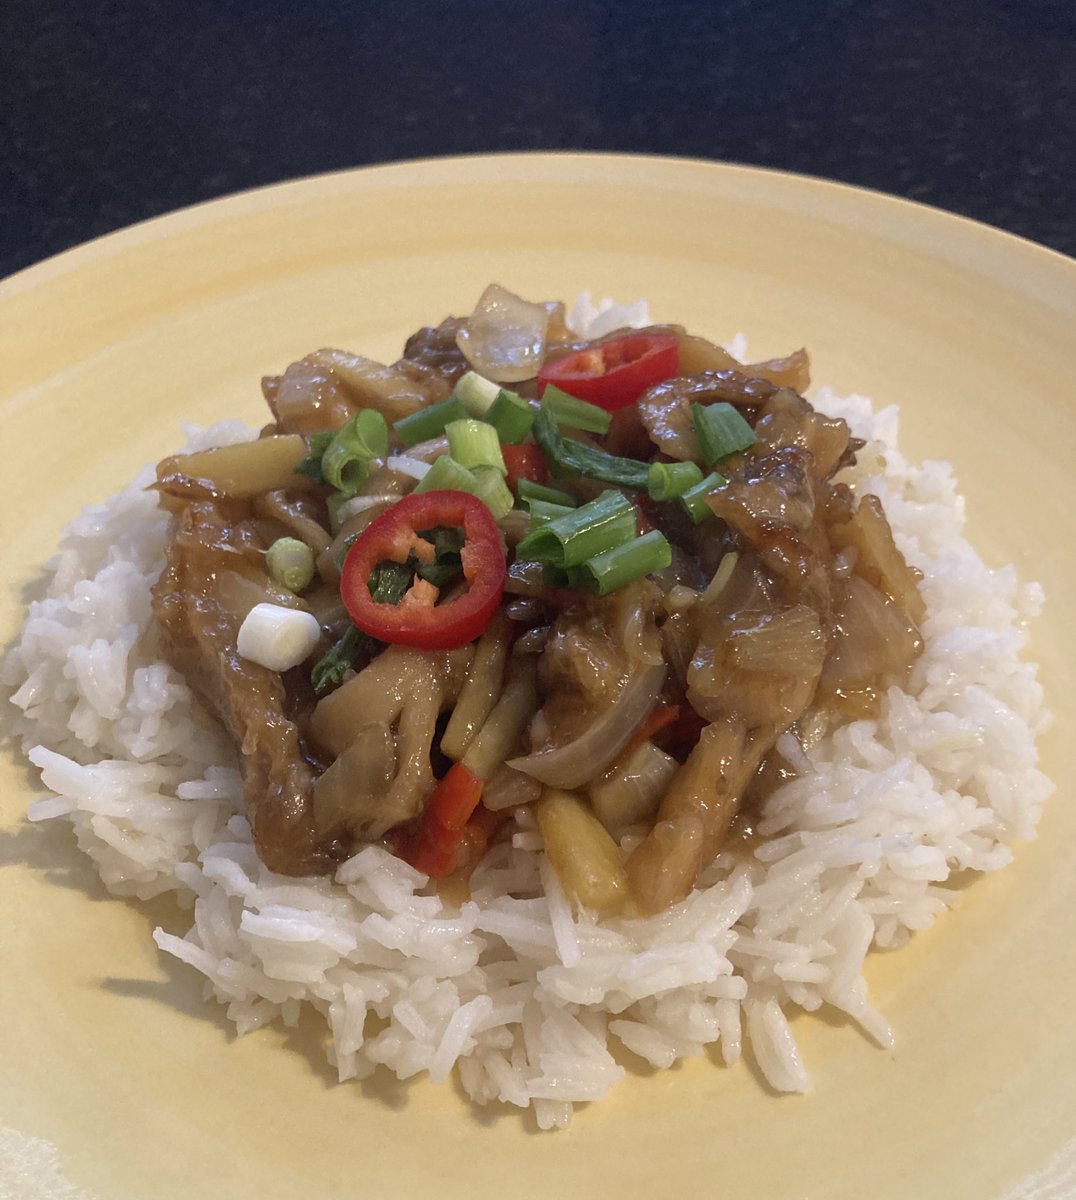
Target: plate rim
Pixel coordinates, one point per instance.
(259, 195)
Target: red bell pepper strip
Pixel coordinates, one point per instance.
(475, 838)
(524, 461)
(615, 373)
(418, 620)
(443, 824)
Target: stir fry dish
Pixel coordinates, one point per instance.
(607, 579)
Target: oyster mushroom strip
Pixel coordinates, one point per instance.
(695, 814)
(323, 390)
(372, 786)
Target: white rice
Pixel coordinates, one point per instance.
(533, 1002)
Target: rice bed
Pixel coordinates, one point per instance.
(521, 994)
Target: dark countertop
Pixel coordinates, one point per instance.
(112, 111)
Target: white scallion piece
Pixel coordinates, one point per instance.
(407, 465)
(276, 637)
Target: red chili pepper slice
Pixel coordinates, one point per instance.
(614, 374)
(524, 462)
(418, 620)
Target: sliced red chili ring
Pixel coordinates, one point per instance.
(418, 620)
(615, 373)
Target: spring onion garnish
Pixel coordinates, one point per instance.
(511, 416)
(346, 461)
(605, 572)
(486, 483)
(475, 444)
(476, 393)
(428, 422)
(331, 668)
(493, 491)
(666, 481)
(277, 637)
(542, 512)
(529, 491)
(317, 444)
(290, 563)
(446, 567)
(445, 474)
(404, 464)
(582, 532)
(387, 584)
(694, 499)
(568, 410)
(721, 431)
(579, 458)
(334, 504)
(389, 581)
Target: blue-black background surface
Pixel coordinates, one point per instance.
(116, 110)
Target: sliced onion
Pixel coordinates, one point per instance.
(874, 642)
(788, 642)
(721, 577)
(580, 761)
(504, 339)
(359, 504)
(506, 788)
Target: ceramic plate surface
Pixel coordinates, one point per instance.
(108, 1055)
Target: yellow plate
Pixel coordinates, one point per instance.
(107, 1051)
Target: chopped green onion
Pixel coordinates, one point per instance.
(582, 532)
(349, 541)
(528, 490)
(389, 581)
(557, 577)
(346, 461)
(694, 499)
(446, 566)
(442, 571)
(334, 504)
(569, 457)
(613, 568)
(446, 474)
(331, 668)
(290, 563)
(721, 431)
(446, 541)
(475, 444)
(316, 444)
(439, 574)
(542, 512)
(666, 481)
(429, 422)
(568, 410)
(484, 482)
(511, 416)
(387, 584)
(493, 491)
(476, 393)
